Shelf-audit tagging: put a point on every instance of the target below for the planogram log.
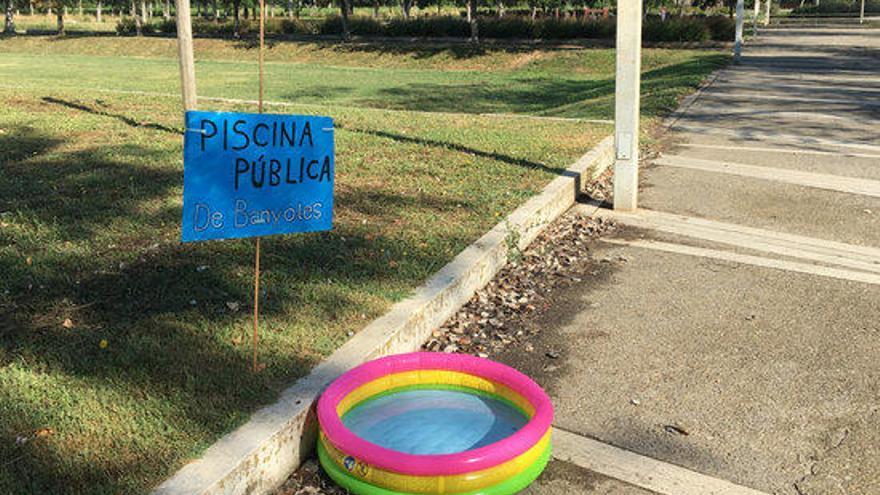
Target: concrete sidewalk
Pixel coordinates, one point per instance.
(737, 332)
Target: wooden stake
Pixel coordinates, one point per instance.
(257, 254)
(256, 302)
(185, 50)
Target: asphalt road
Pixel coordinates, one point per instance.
(762, 370)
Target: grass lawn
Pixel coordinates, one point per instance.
(124, 353)
(557, 81)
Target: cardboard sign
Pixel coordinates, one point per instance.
(248, 175)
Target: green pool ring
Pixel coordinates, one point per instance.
(507, 487)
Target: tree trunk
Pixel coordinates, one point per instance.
(407, 6)
(79, 7)
(500, 9)
(534, 9)
(9, 28)
(59, 15)
(31, 6)
(375, 9)
(143, 11)
(343, 6)
(235, 21)
(472, 20)
(290, 9)
(166, 10)
(138, 28)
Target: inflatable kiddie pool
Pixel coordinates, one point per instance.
(434, 423)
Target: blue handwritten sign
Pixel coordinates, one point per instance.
(248, 175)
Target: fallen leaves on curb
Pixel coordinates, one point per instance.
(492, 319)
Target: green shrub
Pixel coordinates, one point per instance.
(838, 7)
(507, 27)
(167, 27)
(330, 25)
(721, 28)
(296, 26)
(245, 26)
(365, 26)
(434, 27)
(357, 25)
(675, 29)
(127, 27)
(569, 28)
(204, 27)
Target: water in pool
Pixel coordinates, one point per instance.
(433, 421)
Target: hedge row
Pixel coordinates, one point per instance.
(512, 27)
(838, 7)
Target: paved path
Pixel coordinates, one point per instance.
(735, 331)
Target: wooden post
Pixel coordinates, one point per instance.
(257, 254)
(626, 104)
(185, 51)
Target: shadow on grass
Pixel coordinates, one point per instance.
(121, 118)
(162, 308)
(538, 95)
(519, 162)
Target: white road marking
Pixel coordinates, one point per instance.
(794, 246)
(763, 135)
(635, 469)
(730, 84)
(852, 185)
(763, 149)
(796, 99)
(791, 266)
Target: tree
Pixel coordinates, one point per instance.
(472, 20)
(9, 28)
(236, 22)
(343, 6)
(138, 27)
(59, 16)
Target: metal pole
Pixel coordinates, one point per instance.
(737, 49)
(626, 104)
(185, 50)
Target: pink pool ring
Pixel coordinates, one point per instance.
(434, 423)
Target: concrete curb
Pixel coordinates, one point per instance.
(258, 456)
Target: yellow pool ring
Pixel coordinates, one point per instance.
(461, 483)
(396, 381)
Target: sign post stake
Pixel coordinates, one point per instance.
(257, 242)
(626, 104)
(185, 51)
